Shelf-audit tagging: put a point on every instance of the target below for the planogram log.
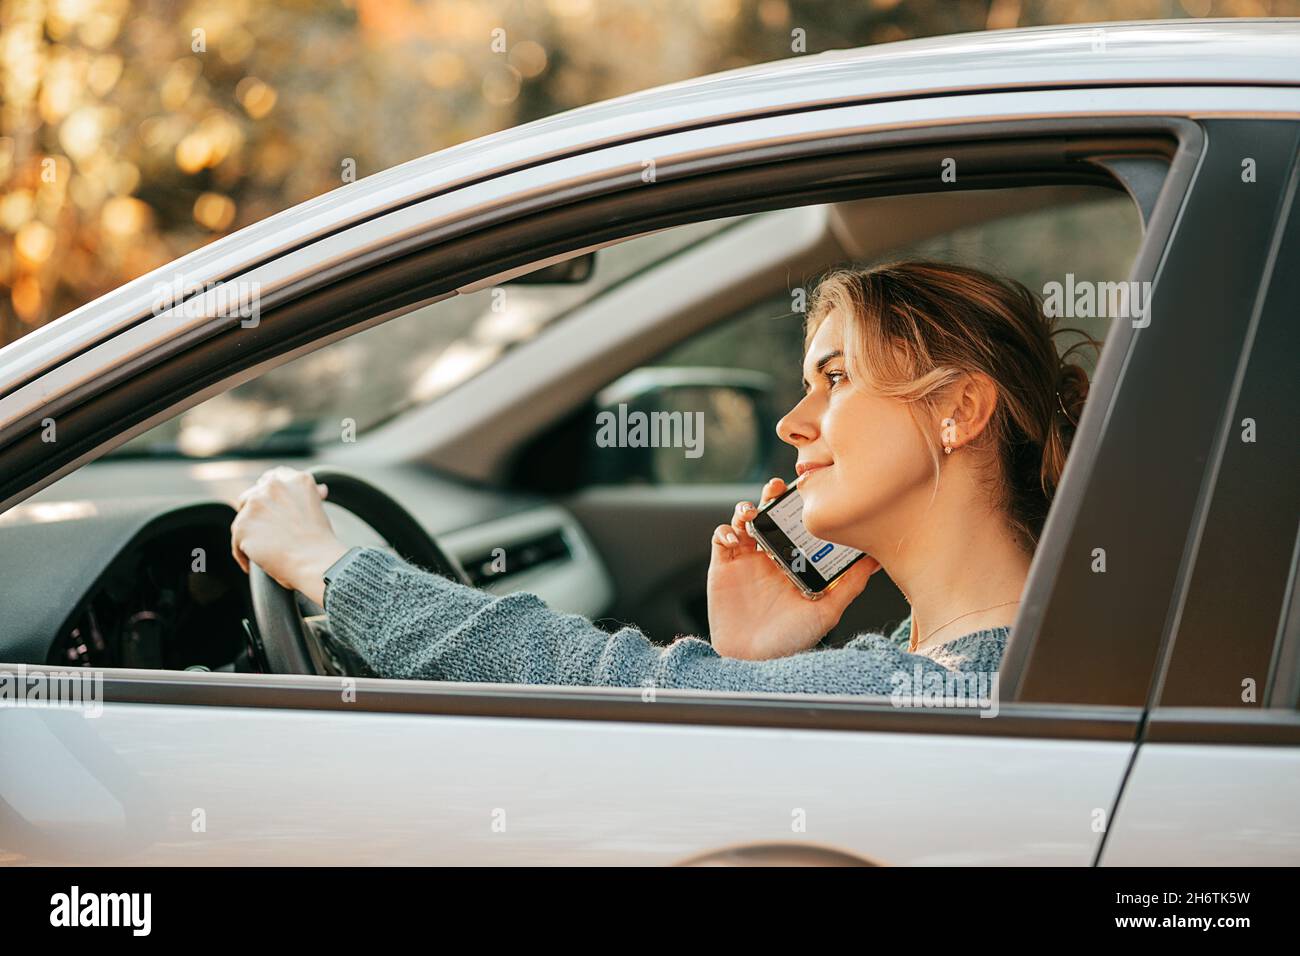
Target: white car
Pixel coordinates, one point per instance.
(401, 330)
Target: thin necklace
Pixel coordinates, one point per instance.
(958, 618)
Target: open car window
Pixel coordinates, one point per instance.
(304, 403)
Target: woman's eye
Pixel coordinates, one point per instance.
(834, 378)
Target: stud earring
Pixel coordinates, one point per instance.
(948, 425)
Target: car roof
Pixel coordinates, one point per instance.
(1158, 52)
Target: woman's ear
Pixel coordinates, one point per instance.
(972, 400)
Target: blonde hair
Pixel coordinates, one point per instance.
(913, 328)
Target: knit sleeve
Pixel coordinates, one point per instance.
(408, 623)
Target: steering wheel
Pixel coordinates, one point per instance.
(283, 630)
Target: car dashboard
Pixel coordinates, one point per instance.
(127, 564)
(172, 599)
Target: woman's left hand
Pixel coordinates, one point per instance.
(282, 526)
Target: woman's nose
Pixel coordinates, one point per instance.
(797, 426)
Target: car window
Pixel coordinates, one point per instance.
(375, 375)
(1085, 242)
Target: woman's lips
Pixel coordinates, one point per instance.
(804, 467)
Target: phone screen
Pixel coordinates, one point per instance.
(815, 562)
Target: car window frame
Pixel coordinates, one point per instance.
(1039, 718)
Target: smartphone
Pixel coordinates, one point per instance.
(814, 565)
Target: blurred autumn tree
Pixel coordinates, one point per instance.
(131, 133)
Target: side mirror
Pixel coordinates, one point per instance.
(698, 425)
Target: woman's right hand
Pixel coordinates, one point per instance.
(755, 611)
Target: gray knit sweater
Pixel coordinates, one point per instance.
(408, 623)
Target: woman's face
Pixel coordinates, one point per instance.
(872, 474)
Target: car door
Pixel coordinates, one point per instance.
(206, 767)
(1217, 774)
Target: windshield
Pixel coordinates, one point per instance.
(370, 377)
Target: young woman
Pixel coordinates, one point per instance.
(934, 425)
